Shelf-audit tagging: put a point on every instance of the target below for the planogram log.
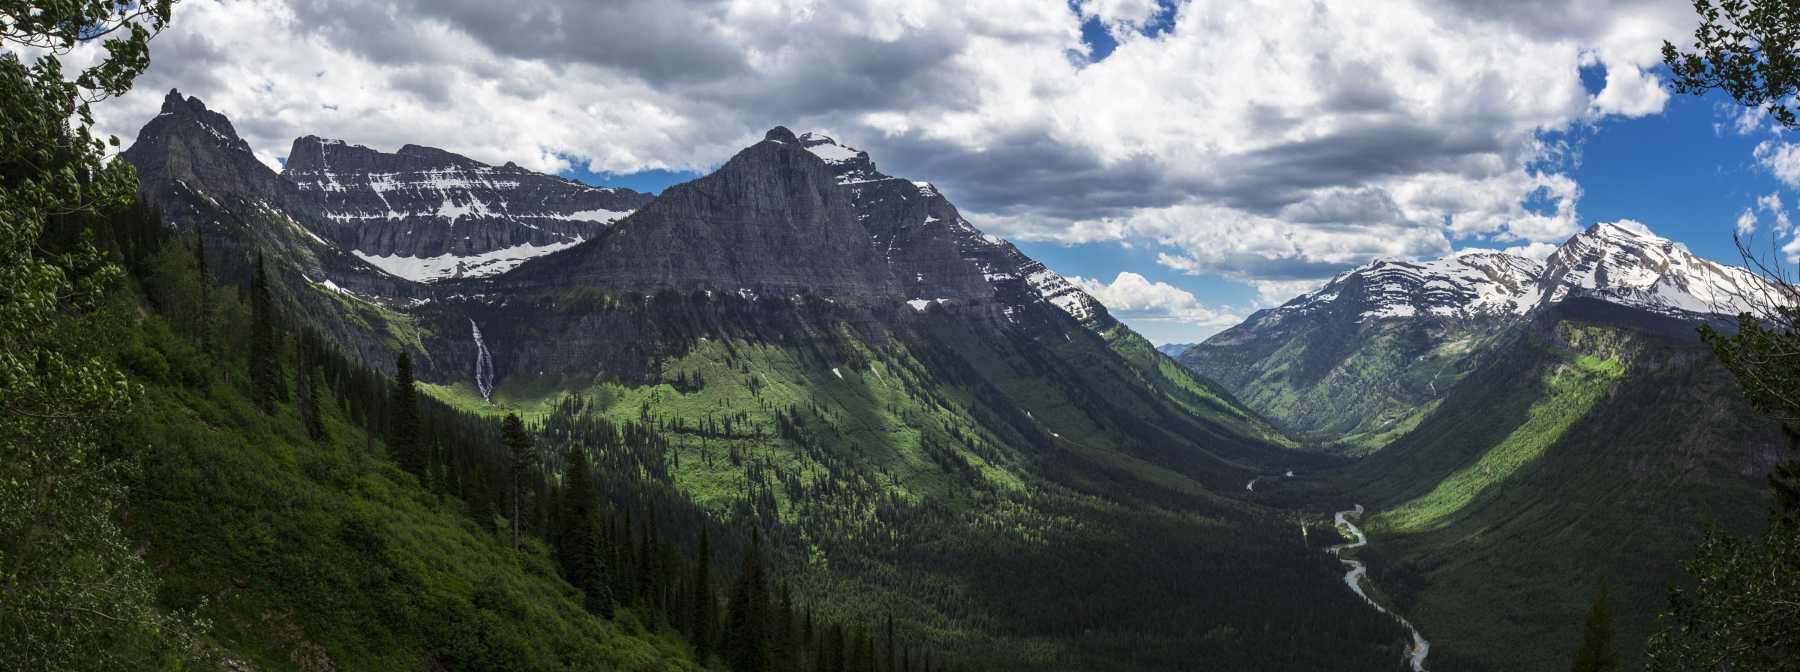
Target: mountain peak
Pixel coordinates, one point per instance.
(781, 134)
(174, 101)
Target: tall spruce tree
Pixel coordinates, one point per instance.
(705, 618)
(403, 418)
(521, 458)
(205, 313)
(1599, 650)
(578, 536)
(747, 626)
(264, 366)
(306, 392)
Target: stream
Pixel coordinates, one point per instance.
(1420, 648)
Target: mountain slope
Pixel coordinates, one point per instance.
(766, 223)
(918, 419)
(1357, 362)
(310, 555)
(204, 181)
(1592, 445)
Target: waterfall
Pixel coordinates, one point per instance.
(484, 366)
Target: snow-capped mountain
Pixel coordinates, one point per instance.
(425, 214)
(1626, 263)
(1476, 282)
(1623, 263)
(1376, 344)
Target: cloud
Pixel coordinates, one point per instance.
(1781, 159)
(1264, 140)
(1133, 297)
(1277, 292)
(1746, 222)
(1538, 251)
(1771, 204)
(1630, 92)
(1633, 226)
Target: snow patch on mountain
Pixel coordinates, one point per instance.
(447, 266)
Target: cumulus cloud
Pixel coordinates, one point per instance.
(1770, 203)
(1781, 159)
(1265, 140)
(1746, 222)
(1133, 297)
(1538, 251)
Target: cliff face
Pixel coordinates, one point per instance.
(426, 214)
(771, 222)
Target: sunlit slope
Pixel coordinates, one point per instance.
(1595, 446)
(1026, 491)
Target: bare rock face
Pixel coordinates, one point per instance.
(426, 214)
(771, 222)
(934, 253)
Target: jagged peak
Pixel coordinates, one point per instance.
(781, 134)
(174, 101)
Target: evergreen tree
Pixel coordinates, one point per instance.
(521, 458)
(578, 539)
(204, 315)
(403, 418)
(747, 624)
(264, 369)
(1599, 650)
(784, 648)
(704, 620)
(306, 392)
(888, 638)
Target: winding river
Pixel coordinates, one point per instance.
(1353, 578)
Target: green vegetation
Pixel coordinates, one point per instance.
(325, 551)
(73, 593)
(1564, 395)
(1599, 650)
(1496, 519)
(1746, 48)
(1351, 388)
(943, 471)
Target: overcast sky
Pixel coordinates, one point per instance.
(1188, 162)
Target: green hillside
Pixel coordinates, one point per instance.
(988, 464)
(304, 553)
(1593, 447)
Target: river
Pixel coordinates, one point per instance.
(1353, 578)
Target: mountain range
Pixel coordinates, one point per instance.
(1369, 352)
(1526, 430)
(825, 354)
(924, 423)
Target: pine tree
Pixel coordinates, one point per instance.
(747, 633)
(888, 638)
(403, 418)
(784, 649)
(578, 539)
(522, 458)
(1599, 650)
(264, 369)
(306, 392)
(704, 620)
(205, 313)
